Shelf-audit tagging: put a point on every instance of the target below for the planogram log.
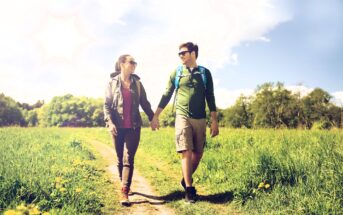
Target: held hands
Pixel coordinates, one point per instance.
(214, 130)
(155, 124)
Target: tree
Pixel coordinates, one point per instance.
(274, 107)
(335, 115)
(10, 112)
(315, 107)
(239, 115)
(72, 111)
(167, 117)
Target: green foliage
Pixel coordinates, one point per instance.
(10, 112)
(266, 171)
(274, 107)
(31, 117)
(315, 107)
(167, 117)
(51, 169)
(239, 115)
(73, 112)
(145, 120)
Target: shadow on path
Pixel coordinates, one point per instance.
(218, 198)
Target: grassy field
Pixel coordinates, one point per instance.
(53, 171)
(243, 171)
(253, 171)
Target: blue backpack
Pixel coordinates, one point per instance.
(179, 69)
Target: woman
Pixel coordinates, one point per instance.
(124, 94)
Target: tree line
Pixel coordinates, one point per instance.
(61, 111)
(271, 106)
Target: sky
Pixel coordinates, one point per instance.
(55, 47)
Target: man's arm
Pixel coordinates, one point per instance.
(155, 124)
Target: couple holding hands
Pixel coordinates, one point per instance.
(193, 87)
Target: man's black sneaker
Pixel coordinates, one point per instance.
(191, 194)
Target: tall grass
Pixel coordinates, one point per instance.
(242, 171)
(50, 169)
(266, 171)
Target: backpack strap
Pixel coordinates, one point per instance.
(178, 76)
(138, 85)
(202, 72)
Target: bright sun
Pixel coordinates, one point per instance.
(61, 38)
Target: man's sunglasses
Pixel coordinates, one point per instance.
(133, 62)
(183, 53)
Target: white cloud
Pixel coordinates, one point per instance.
(150, 30)
(302, 90)
(226, 98)
(217, 27)
(338, 98)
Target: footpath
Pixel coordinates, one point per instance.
(144, 200)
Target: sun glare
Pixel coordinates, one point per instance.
(60, 38)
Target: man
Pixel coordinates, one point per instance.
(193, 86)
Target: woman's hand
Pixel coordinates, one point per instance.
(112, 128)
(155, 124)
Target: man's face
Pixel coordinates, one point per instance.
(185, 56)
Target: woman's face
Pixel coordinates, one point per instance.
(129, 65)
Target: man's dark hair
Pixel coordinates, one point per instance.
(191, 47)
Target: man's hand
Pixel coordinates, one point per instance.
(112, 128)
(214, 128)
(155, 124)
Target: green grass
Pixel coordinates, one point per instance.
(242, 171)
(53, 169)
(299, 172)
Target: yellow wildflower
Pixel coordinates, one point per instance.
(34, 211)
(21, 207)
(58, 179)
(267, 186)
(78, 190)
(62, 189)
(10, 212)
(77, 162)
(261, 185)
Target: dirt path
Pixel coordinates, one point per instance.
(144, 200)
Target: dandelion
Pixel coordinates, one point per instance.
(267, 186)
(77, 162)
(34, 211)
(21, 207)
(10, 212)
(78, 190)
(261, 185)
(58, 179)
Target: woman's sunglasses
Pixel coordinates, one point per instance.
(133, 62)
